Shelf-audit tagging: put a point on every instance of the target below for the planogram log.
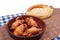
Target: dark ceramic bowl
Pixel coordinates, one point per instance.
(33, 37)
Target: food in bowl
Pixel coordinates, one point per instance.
(28, 30)
(25, 27)
(31, 31)
(40, 10)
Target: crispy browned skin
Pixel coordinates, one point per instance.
(31, 22)
(31, 31)
(17, 23)
(19, 30)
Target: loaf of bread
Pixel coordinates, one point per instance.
(41, 11)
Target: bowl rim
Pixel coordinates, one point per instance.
(26, 36)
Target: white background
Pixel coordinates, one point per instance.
(8, 7)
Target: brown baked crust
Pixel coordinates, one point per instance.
(41, 6)
(36, 6)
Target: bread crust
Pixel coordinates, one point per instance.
(36, 6)
(40, 6)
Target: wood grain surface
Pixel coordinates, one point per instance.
(52, 28)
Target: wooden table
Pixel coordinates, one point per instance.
(52, 28)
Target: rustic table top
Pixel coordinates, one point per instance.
(52, 28)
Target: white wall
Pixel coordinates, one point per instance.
(8, 7)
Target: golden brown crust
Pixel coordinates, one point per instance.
(45, 12)
(36, 6)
